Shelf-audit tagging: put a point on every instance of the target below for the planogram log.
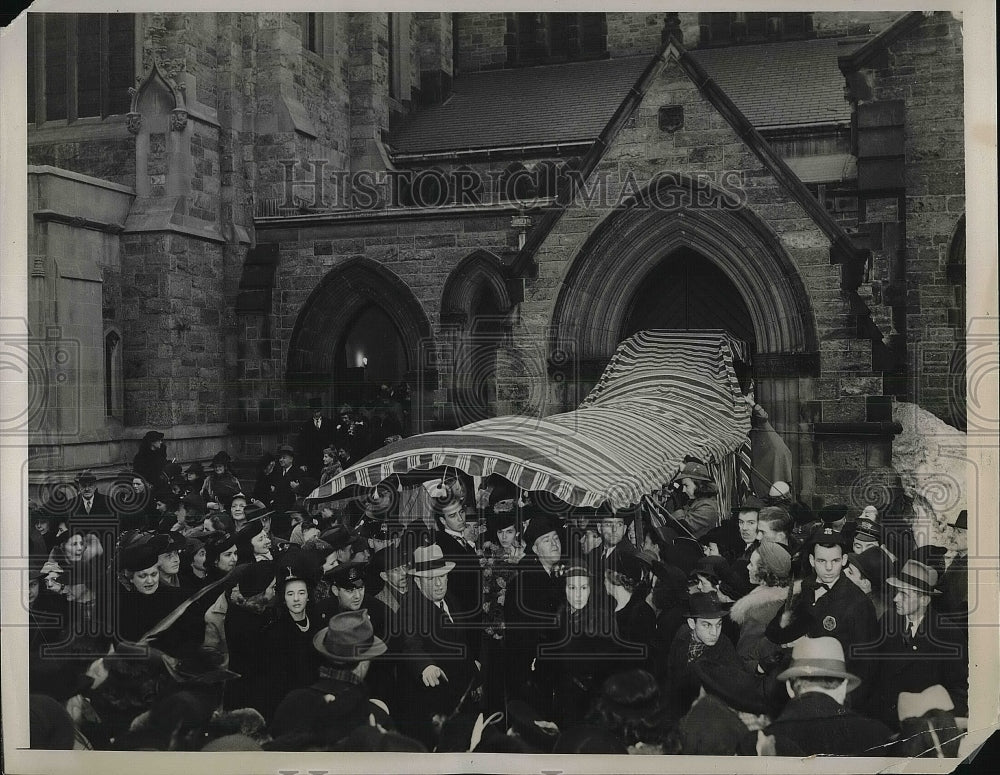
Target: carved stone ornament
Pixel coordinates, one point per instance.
(175, 92)
(133, 122)
(178, 120)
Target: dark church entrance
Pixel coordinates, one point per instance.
(687, 291)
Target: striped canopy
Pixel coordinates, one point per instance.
(664, 395)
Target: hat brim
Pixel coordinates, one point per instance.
(446, 568)
(377, 648)
(892, 581)
(808, 671)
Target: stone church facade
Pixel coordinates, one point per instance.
(289, 210)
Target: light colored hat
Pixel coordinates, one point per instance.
(917, 577)
(775, 558)
(917, 704)
(818, 658)
(429, 561)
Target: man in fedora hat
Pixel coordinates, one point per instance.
(339, 701)
(89, 502)
(315, 435)
(815, 720)
(438, 648)
(827, 603)
(919, 648)
(613, 529)
(702, 639)
(531, 600)
(288, 481)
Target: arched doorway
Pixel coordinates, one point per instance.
(701, 264)
(475, 325)
(362, 339)
(687, 291)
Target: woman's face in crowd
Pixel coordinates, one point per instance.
(577, 592)
(238, 508)
(73, 548)
(198, 561)
(753, 568)
(138, 486)
(170, 563)
(704, 584)
(219, 469)
(506, 536)
(261, 543)
(296, 596)
(227, 560)
(309, 532)
(688, 486)
(146, 581)
(328, 459)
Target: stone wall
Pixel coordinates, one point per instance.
(833, 24)
(107, 158)
(481, 41)
(924, 69)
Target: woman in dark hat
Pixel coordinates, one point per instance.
(145, 600)
(261, 494)
(194, 574)
(169, 546)
(221, 484)
(580, 652)
(701, 513)
(628, 585)
(250, 612)
(80, 555)
(48, 628)
(194, 475)
(151, 458)
(221, 555)
(288, 639)
(630, 706)
(253, 541)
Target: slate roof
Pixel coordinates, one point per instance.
(774, 85)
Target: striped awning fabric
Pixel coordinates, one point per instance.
(664, 395)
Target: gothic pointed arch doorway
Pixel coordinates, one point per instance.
(692, 267)
(362, 339)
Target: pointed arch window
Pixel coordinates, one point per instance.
(114, 384)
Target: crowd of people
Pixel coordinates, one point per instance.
(185, 609)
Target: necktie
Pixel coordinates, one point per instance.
(317, 423)
(444, 607)
(88, 505)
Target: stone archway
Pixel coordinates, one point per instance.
(630, 243)
(475, 328)
(319, 370)
(624, 255)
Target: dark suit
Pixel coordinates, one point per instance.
(282, 494)
(430, 637)
(844, 613)
(530, 604)
(601, 563)
(815, 723)
(937, 655)
(465, 581)
(312, 442)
